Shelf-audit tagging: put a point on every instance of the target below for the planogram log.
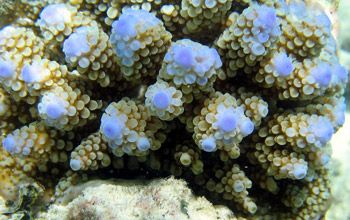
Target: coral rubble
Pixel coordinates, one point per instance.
(126, 199)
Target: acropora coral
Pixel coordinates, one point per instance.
(239, 97)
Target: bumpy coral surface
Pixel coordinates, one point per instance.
(239, 97)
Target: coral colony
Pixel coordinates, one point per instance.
(241, 98)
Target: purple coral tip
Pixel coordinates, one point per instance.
(246, 127)
(76, 44)
(54, 110)
(283, 65)
(322, 73)
(125, 26)
(267, 16)
(10, 144)
(184, 57)
(112, 129)
(6, 68)
(161, 100)
(227, 122)
(31, 73)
